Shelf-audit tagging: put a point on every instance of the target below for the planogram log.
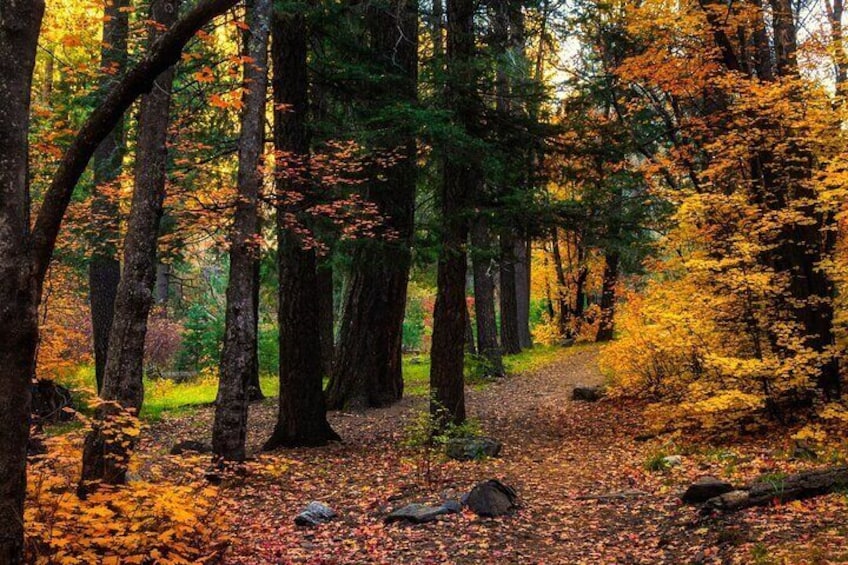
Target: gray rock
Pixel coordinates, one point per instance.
(704, 489)
(421, 513)
(314, 514)
(587, 393)
(672, 461)
(473, 448)
(491, 498)
(190, 445)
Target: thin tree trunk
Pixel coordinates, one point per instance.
(522, 292)
(104, 270)
(368, 369)
(238, 357)
(254, 385)
(484, 296)
(19, 27)
(461, 171)
(162, 287)
(325, 316)
(510, 338)
(470, 345)
(562, 299)
(302, 418)
(610, 280)
(107, 448)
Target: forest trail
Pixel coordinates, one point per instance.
(555, 451)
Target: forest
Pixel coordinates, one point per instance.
(423, 281)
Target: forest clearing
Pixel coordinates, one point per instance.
(423, 281)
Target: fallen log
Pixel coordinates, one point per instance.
(780, 489)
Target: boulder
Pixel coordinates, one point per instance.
(587, 393)
(49, 401)
(704, 489)
(670, 461)
(491, 498)
(472, 448)
(421, 513)
(191, 446)
(314, 514)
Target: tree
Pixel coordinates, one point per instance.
(484, 295)
(107, 449)
(238, 365)
(25, 254)
(302, 418)
(367, 370)
(461, 169)
(104, 267)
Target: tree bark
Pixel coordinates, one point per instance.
(238, 356)
(610, 280)
(484, 296)
(792, 487)
(19, 26)
(367, 372)
(107, 447)
(522, 292)
(461, 171)
(104, 270)
(326, 320)
(302, 418)
(510, 338)
(564, 308)
(470, 344)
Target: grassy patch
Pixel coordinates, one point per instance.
(163, 396)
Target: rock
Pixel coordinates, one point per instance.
(190, 446)
(473, 448)
(587, 393)
(566, 342)
(704, 489)
(421, 513)
(491, 498)
(314, 514)
(672, 461)
(49, 401)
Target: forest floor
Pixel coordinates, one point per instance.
(555, 451)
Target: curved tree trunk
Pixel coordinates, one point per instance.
(104, 270)
(302, 418)
(107, 448)
(367, 370)
(238, 357)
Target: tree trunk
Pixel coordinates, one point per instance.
(104, 270)
(368, 369)
(510, 338)
(162, 286)
(610, 280)
(562, 299)
(461, 171)
(19, 27)
(254, 385)
(325, 317)
(238, 356)
(522, 292)
(302, 418)
(484, 296)
(470, 345)
(107, 447)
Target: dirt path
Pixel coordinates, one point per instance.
(555, 451)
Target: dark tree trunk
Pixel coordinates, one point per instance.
(238, 357)
(161, 289)
(19, 27)
(325, 316)
(302, 419)
(367, 371)
(610, 280)
(254, 385)
(510, 338)
(562, 299)
(470, 344)
(107, 448)
(580, 292)
(522, 292)
(461, 171)
(104, 270)
(484, 296)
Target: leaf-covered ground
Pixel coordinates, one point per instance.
(556, 453)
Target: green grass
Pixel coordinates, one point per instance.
(163, 396)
